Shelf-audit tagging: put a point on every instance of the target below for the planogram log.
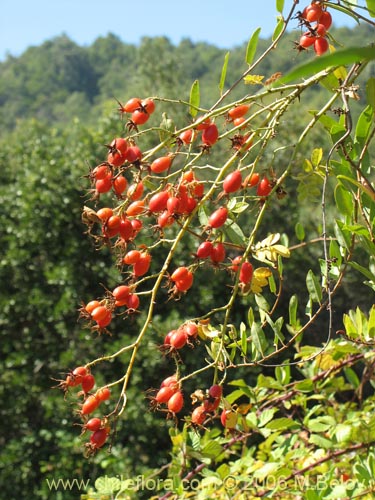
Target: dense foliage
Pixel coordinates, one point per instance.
(298, 397)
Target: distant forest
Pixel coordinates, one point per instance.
(60, 80)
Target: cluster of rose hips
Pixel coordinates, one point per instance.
(123, 175)
(81, 377)
(177, 339)
(139, 110)
(317, 20)
(105, 176)
(101, 312)
(209, 402)
(168, 205)
(100, 431)
(170, 396)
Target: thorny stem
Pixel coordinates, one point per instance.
(270, 124)
(283, 105)
(324, 304)
(291, 392)
(201, 466)
(348, 123)
(255, 64)
(331, 455)
(358, 15)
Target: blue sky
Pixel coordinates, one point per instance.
(225, 24)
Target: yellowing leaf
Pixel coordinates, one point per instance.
(340, 73)
(270, 240)
(262, 273)
(282, 250)
(267, 250)
(205, 330)
(325, 361)
(253, 79)
(244, 408)
(260, 279)
(316, 156)
(230, 419)
(307, 165)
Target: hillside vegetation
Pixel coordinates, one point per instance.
(58, 109)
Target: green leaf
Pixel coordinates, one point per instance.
(338, 58)
(282, 374)
(258, 338)
(276, 327)
(262, 303)
(320, 441)
(345, 10)
(250, 316)
(358, 229)
(224, 72)
(327, 121)
(243, 335)
(293, 306)
(223, 471)
(362, 473)
(360, 320)
(343, 432)
(212, 449)
(344, 200)
(371, 323)
(334, 253)
(371, 7)
(349, 182)
(343, 236)
(309, 308)
(234, 395)
(194, 98)
(363, 125)
(272, 283)
(266, 416)
(330, 82)
(305, 385)
(269, 383)
(280, 5)
(340, 73)
(279, 28)
(266, 470)
(234, 233)
(167, 129)
(352, 377)
(350, 327)
(150, 185)
(107, 484)
(236, 206)
(370, 92)
(320, 424)
(313, 287)
(252, 46)
(312, 495)
(282, 423)
(195, 440)
(202, 215)
(366, 272)
(238, 383)
(300, 231)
